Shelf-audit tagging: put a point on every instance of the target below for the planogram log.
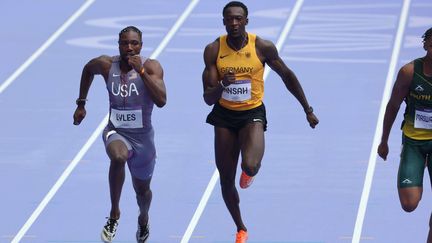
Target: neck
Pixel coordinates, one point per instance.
(237, 43)
(428, 57)
(124, 66)
(427, 65)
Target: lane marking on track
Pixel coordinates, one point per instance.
(378, 130)
(45, 45)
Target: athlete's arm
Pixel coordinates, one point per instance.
(210, 77)
(93, 67)
(268, 53)
(152, 75)
(399, 92)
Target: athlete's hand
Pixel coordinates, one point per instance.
(312, 119)
(383, 150)
(79, 115)
(228, 78)
(135, 62)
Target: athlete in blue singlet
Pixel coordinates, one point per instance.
(134, 85)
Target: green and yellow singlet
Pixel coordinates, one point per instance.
(248, 90)
(418, 111)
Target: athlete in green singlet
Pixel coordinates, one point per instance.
(414, 86)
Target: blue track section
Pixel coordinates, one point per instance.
(310, 184)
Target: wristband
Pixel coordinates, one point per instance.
(222, 85)
(81, 101)
(309, 110)
(142, 71)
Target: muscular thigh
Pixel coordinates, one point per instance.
(252, 141)
(116, 145)
(412, 163)
(226, 151)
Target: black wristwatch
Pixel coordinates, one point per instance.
(309, 110)
(80, 102)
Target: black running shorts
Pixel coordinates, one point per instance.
(235, 120)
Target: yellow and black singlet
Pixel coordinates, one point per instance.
(418, 112)
(248, 90)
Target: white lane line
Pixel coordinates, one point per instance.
(94, 135)
(200, 209)
(204, 199)
(45, 45)
(378, 130)
(288, 26)
(59, 183)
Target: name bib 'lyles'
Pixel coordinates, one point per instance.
(238, 92)
(126, 118)
(423, 119)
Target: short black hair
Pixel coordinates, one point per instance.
(131, 28)
(235, 4)
(427, 34)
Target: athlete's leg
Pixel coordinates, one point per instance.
(227, 152)
(144, 197)
(410, 174)
(410, 197)
(429, 239)
(429, 166)
(252, 147)
(118, 153)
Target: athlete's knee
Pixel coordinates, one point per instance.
(144, 194)
(409, 206)
(118, 159)
(410, 198)
(251, 169)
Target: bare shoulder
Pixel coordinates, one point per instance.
(407, 70)
(409, 67)
(153, 66)
(266, 50)
(264, 45)
(101, 61)
(405, 76)
(211, 50)
(152, 63)
(99, 65)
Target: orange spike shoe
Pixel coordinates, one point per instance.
(245, 180)
(241, 236)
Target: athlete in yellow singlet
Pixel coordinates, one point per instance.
(248, 90)
(233, 84)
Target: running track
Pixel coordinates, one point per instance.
(315, 186)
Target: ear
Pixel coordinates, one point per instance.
(247, 21)
(223, 21)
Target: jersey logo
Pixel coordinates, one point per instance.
(406, 181)
(223, 56)
(419, 88)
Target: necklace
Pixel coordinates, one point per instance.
(233, 46)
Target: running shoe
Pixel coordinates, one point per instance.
(245, 180)
(142, 233)
(241, 236)
(109, 230)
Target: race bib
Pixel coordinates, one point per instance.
(238, 92)
(126, 118)
(423, 119)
